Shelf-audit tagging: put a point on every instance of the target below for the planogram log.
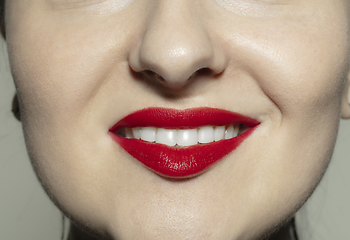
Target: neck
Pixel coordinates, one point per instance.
(283, 233)
(76, 233)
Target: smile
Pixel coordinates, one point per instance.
(182, 137)
(181, 143)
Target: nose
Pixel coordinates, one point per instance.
(176, 44)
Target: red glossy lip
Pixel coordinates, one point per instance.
(180, 162)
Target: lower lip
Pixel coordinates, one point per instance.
(180, 162)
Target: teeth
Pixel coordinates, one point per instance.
(206, 134)
(136, 132)
(182, 137)
(187, 137)
(166, 136)
(229, 133)
(148, 134)
(128, 133)
(235, 131)
(219, 133)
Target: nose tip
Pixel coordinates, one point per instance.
(174, 47)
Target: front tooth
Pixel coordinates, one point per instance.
(229, 133)
(128, 133)
(206, 134)
(136, 132)
(166, 136)
(148, 134)
(219, 133)
(187, 137)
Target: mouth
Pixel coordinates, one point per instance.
(181, 143)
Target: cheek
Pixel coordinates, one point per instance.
(57, 78)
(301, 71)
(71, 85)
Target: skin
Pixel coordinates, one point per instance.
(81, 66)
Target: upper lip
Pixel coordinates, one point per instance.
(182, 119)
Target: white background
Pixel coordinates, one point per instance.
(26, 213)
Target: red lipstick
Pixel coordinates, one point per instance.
(180, 162)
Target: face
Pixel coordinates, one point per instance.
(80, 67)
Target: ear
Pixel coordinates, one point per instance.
(345, 113)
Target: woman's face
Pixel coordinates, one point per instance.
(82, 66)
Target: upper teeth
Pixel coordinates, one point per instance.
(182, 137)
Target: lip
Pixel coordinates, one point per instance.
(181, 162)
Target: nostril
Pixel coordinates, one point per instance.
(153, 76)
(204, 72)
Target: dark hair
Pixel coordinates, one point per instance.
(2, 16)
(2, 9)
